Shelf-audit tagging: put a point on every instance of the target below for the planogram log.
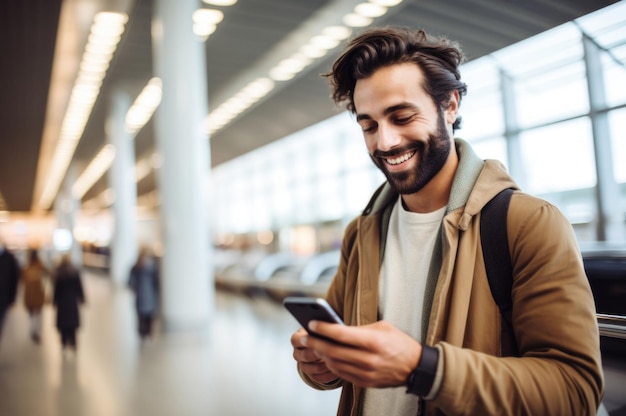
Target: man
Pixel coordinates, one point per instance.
(423, 330)
(9, 277)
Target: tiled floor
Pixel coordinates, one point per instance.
(241, 365)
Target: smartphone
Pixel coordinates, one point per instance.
(306, 309)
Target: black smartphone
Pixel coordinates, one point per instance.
(306, 309)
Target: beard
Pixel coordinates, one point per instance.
(432, 157)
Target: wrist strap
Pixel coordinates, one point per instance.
(421, 380)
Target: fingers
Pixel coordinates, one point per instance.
(374, 355)
(308, 360)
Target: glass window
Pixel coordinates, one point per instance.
(481, 108)
(614, 79)
(604, 23)
(491, 149)
(554, 94)
(549, 75)
(559, 157)
(617, 123)
(359, 186)
(329, 200)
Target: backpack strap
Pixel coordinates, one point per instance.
(497, 258)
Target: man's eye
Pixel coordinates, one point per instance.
(369, 128)
(403, 120)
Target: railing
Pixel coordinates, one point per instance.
(613, 326)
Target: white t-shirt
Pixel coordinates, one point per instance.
(410, 243)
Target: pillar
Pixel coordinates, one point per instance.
(122, 181)
(186, 269)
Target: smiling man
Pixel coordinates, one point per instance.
(423, 332)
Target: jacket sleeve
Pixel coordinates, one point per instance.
(559, 369)
(335, 296)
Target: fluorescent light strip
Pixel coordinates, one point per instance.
(144, 106)
(288, 67)
(100, 164)
(136, 118)
(105, 34)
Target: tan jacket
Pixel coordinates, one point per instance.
(559, 371)
(34, 293)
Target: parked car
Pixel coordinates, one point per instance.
(605, 265)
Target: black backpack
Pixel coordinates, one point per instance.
(495, 245)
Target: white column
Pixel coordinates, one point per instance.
(122, 181)
(610, 217)
(186, 267)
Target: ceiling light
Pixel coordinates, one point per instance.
(356, 20)
(94, 66)
(103, 40)
(104, 35)
(281, 74)
(206, 21)
(97, 57)
(144, 106)
(94, 171)
(110, 18)
(106, 30)
(337, 32)
(291, 65)
(370, 10)
(259, 87)
(204, 30)
(313, 51)
(324, 42)
(208, 16)
(220, 2)
(100, 48)
(386, 3)
(142, 169)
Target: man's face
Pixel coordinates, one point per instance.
(406, 134)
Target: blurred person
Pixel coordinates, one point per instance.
(68, 296)
(144, 282)
(9, 278)
(34, 292)
(423, 333)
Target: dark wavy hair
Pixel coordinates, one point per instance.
(438, 58)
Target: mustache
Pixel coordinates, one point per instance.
(381, 154)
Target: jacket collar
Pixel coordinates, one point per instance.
(467, 172)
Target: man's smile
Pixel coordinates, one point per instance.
(400, 159)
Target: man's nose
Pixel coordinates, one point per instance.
(388, 137)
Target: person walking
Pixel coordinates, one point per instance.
(9, 278)
(34, 292)
(144, 282)
(68, 296)
(424, 333)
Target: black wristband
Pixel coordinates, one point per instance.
(421, 380)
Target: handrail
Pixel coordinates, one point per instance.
(612, 326)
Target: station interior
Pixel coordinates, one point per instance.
(204, 132)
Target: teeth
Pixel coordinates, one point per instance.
(400, 159)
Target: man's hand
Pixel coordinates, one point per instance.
(375, 355)
(309, 362)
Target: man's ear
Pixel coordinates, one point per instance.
(451, 107)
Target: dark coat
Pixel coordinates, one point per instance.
(144, 281)
(68, 295)
(9, 277)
